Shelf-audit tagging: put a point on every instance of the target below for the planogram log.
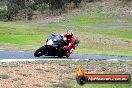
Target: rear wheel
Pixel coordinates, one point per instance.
(39, 52)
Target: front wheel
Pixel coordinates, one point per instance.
(39, 52)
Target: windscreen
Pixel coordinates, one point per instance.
(55, 38)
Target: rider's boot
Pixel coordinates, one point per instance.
(67, 54)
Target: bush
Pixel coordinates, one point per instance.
(40, 7)
(13, 6)
(29, 13)
(3, 14)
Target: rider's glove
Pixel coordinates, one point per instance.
(66, 47)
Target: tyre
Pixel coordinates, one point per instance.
(39, 52)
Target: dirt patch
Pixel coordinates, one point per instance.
(46, 74)
(33, 75)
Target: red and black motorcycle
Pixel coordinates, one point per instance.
(54, 47)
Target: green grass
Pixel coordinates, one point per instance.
(96, 19)
(25, 35)
(92, 20)
(73, 84)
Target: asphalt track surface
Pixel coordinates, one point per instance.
(19, 55)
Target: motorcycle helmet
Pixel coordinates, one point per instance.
(69, 34)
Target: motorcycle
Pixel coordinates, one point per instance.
(54, 47)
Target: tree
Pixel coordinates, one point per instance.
(13, 6)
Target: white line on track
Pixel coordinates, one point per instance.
(113, 60)
(2, 50)
(21, 51)
(14, 60)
